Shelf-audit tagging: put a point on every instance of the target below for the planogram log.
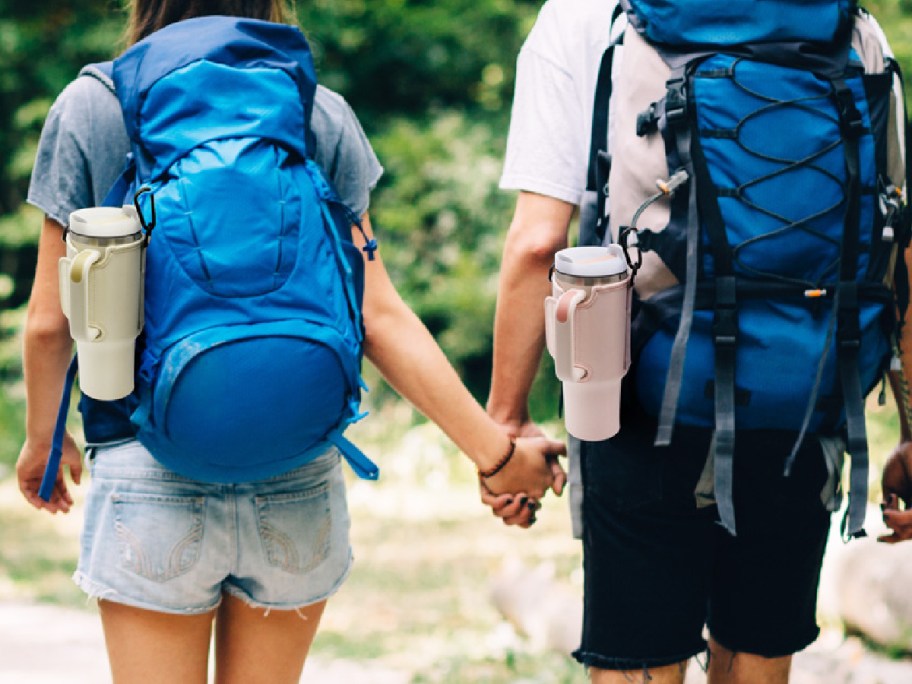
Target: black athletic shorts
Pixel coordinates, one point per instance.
(658, 568)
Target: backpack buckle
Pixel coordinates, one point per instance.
(890, 207)
(725, 322)
(675, 100)
(848, 328)
(850, 120)
(647, 121)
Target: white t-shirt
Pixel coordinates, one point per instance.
(550, 127)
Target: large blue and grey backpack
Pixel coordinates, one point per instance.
(251, 350)
(756, 177)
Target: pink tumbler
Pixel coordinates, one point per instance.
(587, 330)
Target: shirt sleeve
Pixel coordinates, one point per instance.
(344, 151)
(60, 182)
(81, 151)
(546, 145)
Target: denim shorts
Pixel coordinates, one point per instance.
(658, 566)
(158, 541)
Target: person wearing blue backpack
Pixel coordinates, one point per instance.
(750, 160)
(216, 491)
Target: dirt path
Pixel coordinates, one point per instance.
(43, 644)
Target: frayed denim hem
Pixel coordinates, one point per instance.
(590, 659)
(98, 592)
(239, 593)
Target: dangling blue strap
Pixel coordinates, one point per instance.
(53, 462)
(364, 468)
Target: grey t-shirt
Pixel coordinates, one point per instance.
(84, 144)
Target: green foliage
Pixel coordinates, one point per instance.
(12, 429)
(895, 16)
(439, 218)
(12, 408)
(412, 56)
(42, 46)
(20, 227)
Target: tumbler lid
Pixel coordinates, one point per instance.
(105, 222)
(591, 262)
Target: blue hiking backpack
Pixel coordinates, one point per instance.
(756, 179)
(251, 351)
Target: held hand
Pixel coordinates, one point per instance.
(532, 469)
(30, 470)
(513, 509)
(897, 486)
(530, 429)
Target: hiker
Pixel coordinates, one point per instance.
(167, 555)
(661, 558)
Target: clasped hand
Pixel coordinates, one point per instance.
(896, 482)
(513, 493)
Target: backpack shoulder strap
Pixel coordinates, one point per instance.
(593, 225)
(103, 72)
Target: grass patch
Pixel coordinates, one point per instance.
(39, 552)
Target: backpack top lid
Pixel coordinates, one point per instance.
(715, 23)
(215, 77)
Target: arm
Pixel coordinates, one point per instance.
(896, 480)
(46, 353)
(403, 350)
(538, 230)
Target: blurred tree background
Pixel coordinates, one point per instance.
(432, 85)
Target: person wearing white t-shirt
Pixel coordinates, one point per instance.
(658, 567)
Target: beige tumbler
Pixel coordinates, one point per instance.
(101, 289)
(587, 330)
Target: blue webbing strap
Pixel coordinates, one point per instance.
(53, 462)
(364, 468)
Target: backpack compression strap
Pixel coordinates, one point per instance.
(848, 331)
(702, 202)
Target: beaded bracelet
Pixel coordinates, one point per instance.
(497, 467)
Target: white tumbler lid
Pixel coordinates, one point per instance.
(105, 222)
(591, 262)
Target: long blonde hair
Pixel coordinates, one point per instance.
(147, 16)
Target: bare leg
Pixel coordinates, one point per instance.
(255, 646)
(727, 667)
(666, 674)
(147, 647)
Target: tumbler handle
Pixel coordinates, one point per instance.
(80, 275)
(565, 336)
